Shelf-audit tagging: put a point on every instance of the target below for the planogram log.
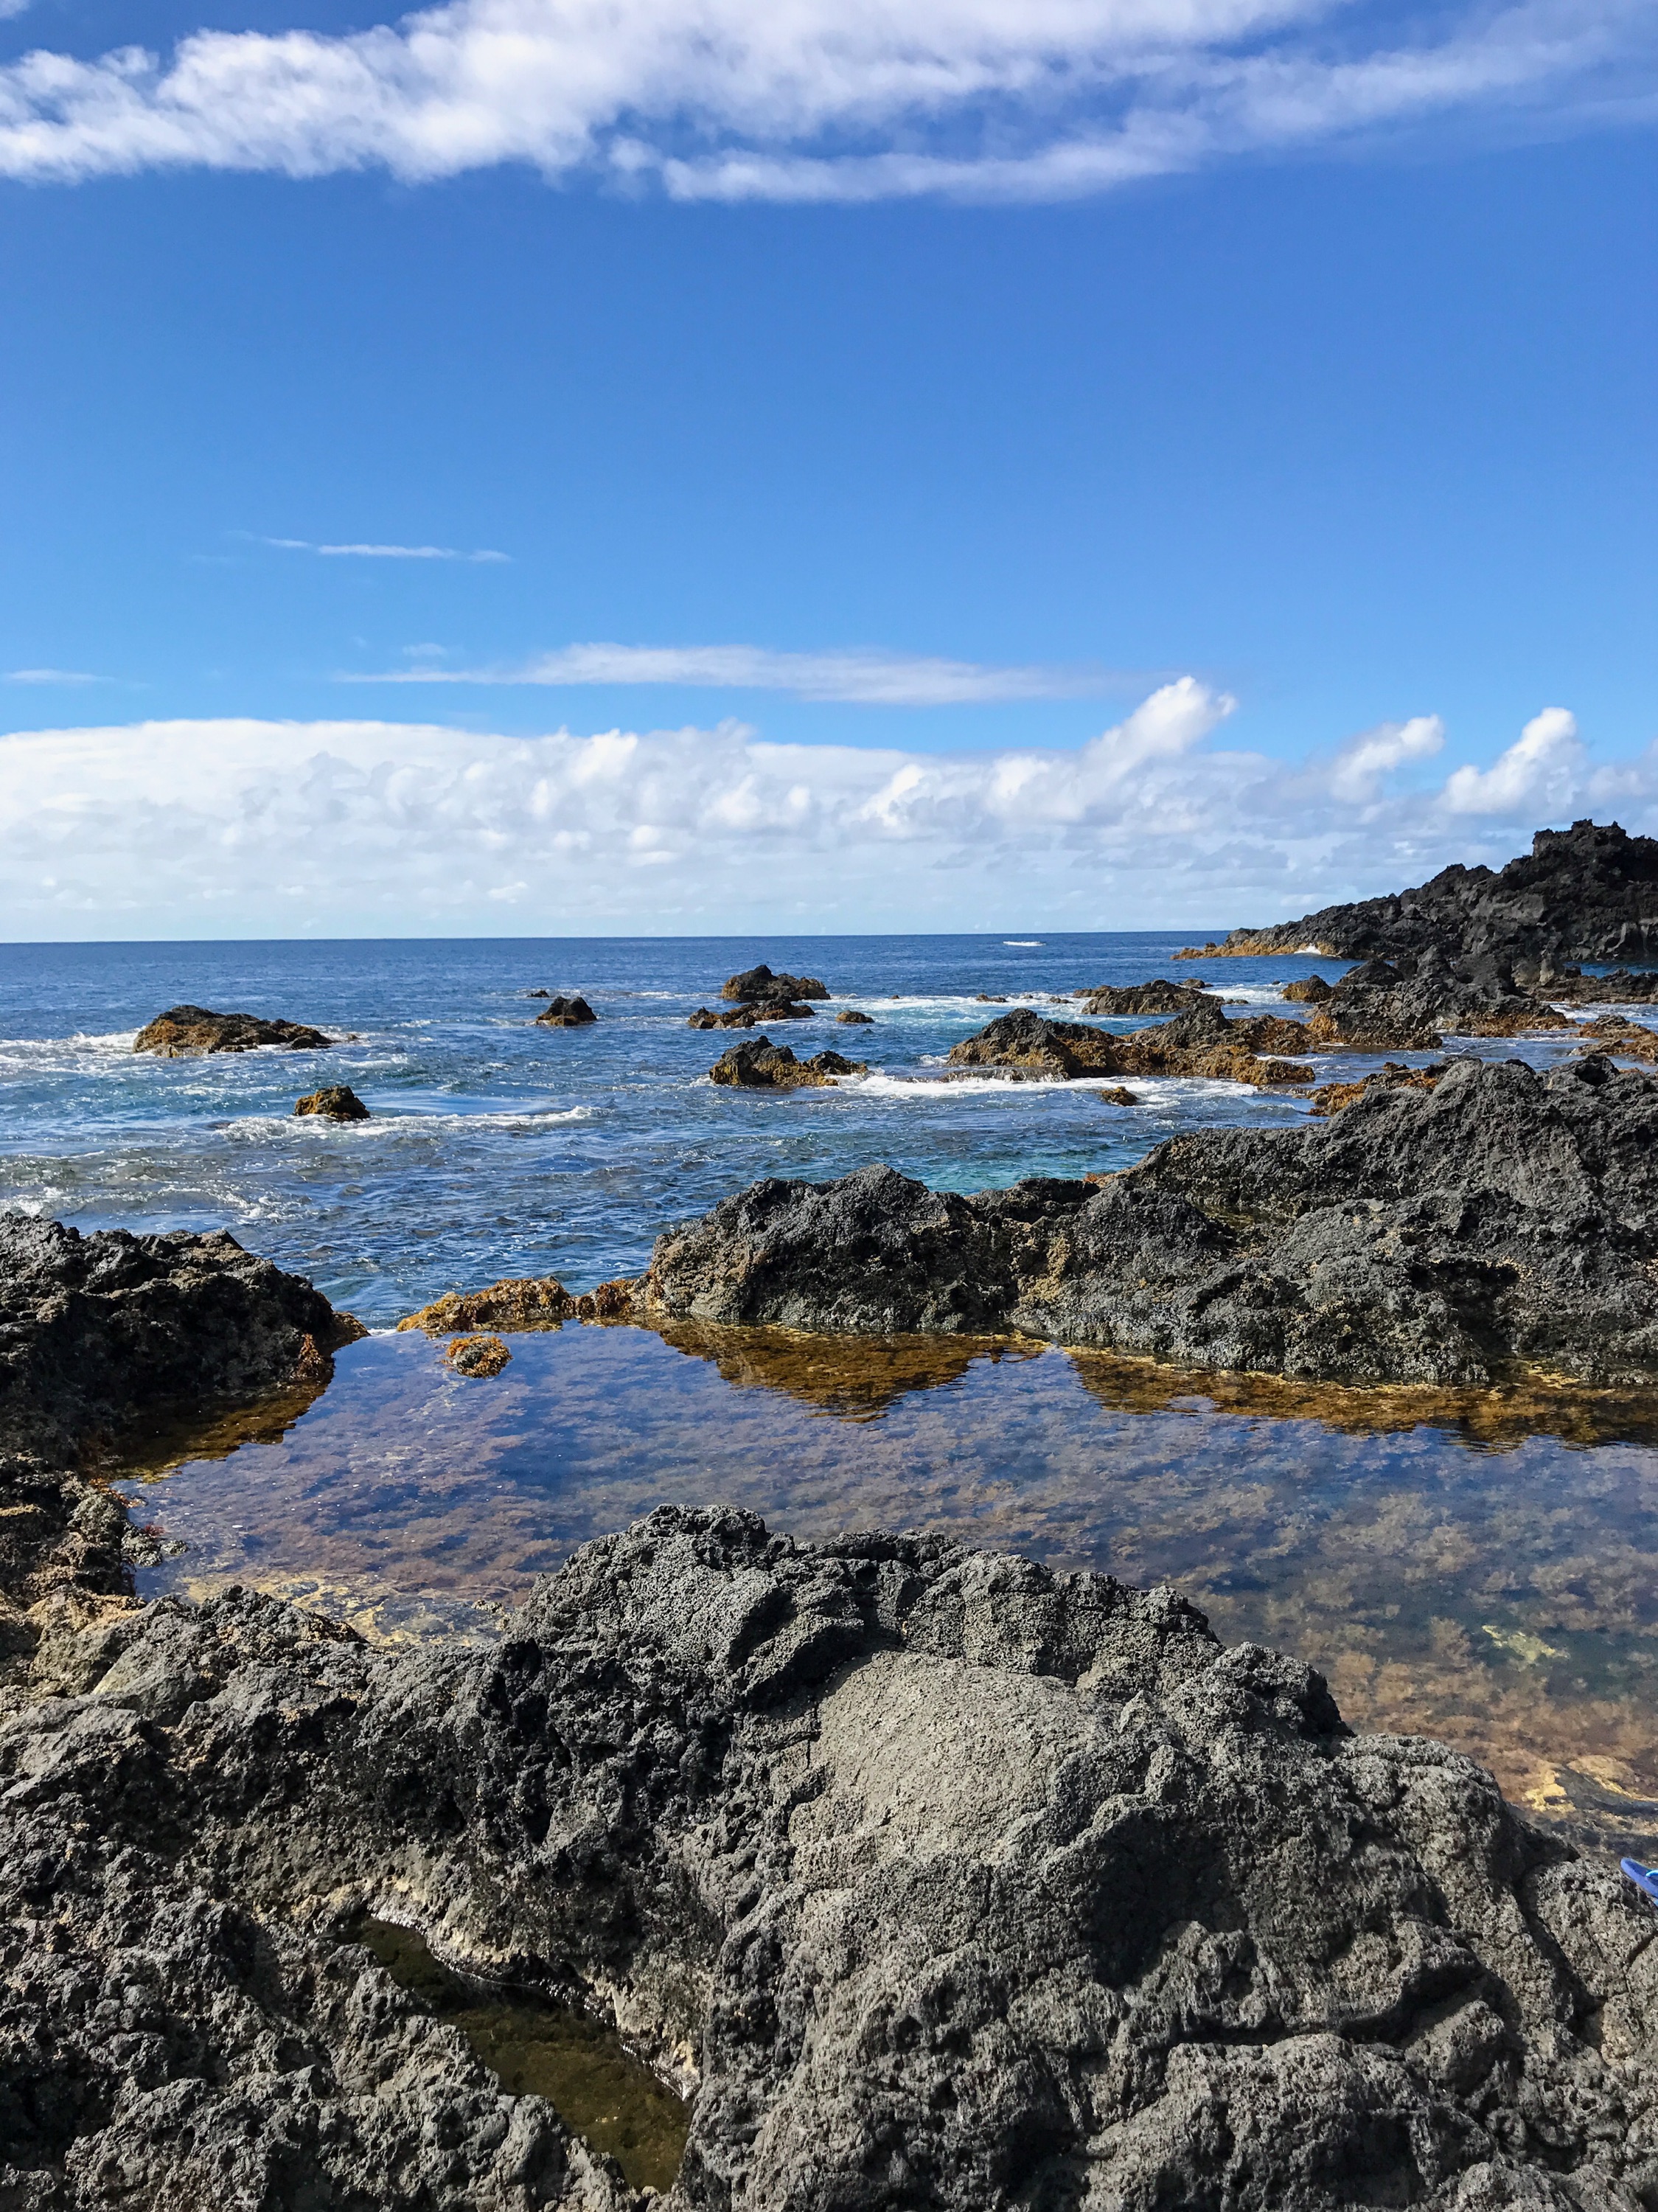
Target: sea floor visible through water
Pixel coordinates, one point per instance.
(1479, 1569)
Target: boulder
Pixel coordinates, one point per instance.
(1117, 1095)
(750, 1017)
(1199, 1041)
(566, 1013)
(1500, 1223)
(1309, 991)
(184, 1030)
(760, 985)
(336, 1102)
(760, 1065)
(851, 1016)
(476, 1356)
(940, 1879)
(1158, 997)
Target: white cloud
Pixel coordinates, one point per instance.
(180, 829)
(1361, 764)
(383, 552)
(54, 675)
(868, 678)
(846, 100)
(1540, 771)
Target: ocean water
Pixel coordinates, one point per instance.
(497, 1148)
(1479, 1567)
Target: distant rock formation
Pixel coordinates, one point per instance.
(759, 984)
(336, 1102)
(1200, 1041)
(1586, 893)
(760, 1065)
(852, 1015)
(1374, 1009)
(750, 1017)
(1157, 997)
(1621, 1037)
(184, 1030)
(566, 1013)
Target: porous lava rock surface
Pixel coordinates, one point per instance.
(1586, 893)
(336, 1102)
(1375, 1009)
(760, 1065)
(184, 1030)
(1159, 996)
(571, 1012)
(1307, 991)
(1501, 1222)
(1199, 1041)
(942, 1880)
(478, 1356)
(1626, 1040)
(758, 984)
(1392, 1075)
(95, 1332)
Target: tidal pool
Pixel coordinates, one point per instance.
(1479, 1567)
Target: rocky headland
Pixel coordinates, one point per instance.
(1586, 893)
(1199, 1041)
(186, 1029)
(1500, 1223)
(936, 1878)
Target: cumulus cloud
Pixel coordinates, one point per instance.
(1539, 771)
(868, 678)
(821, 99)
(218, 828)
(383, 552)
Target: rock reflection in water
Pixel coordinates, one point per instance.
(1479, 1567)
(534, 2049)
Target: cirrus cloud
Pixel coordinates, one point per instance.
(824, 99)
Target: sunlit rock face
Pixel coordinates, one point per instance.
(941, 1878)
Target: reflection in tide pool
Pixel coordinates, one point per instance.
(1478, 1567)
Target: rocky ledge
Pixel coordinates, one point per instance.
(750, 1017)
(96, 1333)
(760, 1065)
(184, 1030)
(1200, 1041)
(941, 1879)
(1157, 997)
(1375, 1009)
(1499, 1222)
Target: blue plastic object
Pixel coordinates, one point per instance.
(1644, 1878)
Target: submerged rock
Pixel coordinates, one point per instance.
(760, 1065)
(478, 1355)
(1502, 1220)
(521, 1302)
(760, 985)
(1118, 1096)
(336, 1102)
(943, 1880)
(1200, 1041)
(184, 1030)
(566, 1013)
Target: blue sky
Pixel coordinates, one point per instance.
(970, 440)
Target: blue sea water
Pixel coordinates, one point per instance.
(497, 1147)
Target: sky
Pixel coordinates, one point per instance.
(686, 464)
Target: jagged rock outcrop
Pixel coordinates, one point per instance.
(948, 1882)
(1624, 1039)
(519, 1302)
(567, 1013)
(1586, 893)
(184, 1030)
(852, 1016)
(1158, 997)
(1199, 1041)
(760, 1065)
(1393, 1075)
(1307, 991)
(1375, 1009)
(750, 1017)
(759, 986)
(1502, 1221)
(96, 1332)
(336, 1102)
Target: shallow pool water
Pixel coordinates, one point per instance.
(1482, 1567)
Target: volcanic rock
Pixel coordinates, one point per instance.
(752, 1017)
(566, 1013)
(1502, 1221)
(760, 1065)
(852, 1015)
(336, 1102)
(1331, 1097)
(1310, 991)
(1200, 1041)
(1372, 1009)
(476, 1356)
(184, 1029)
(1158, 997)
(1619, 987)
(1117, 1095)
(1616, 1034)
(759, 984)
(990, 997)
(1586, 893)
(944, 1881)
(521, 1302)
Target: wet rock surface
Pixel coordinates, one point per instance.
(760, 1065)
(1586, 893)
(96, 1332)
(750, 1017)
(479, 1357)
(336, 1102)
(1501, 1222)
(570, 1013)
(1375, 1009)
(943, 1881)
(184, 1030)
(760, 984)
(1158, 997)
(1199, 1041)
(1626, 1040)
